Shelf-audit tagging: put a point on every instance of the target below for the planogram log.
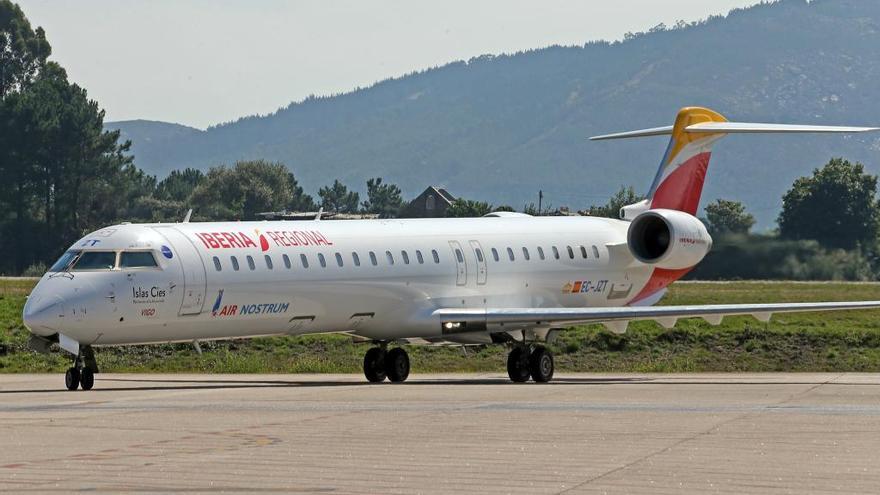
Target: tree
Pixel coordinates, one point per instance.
(728, 217)
(299, 200)
(179, 184)
(63, 174)
(240, 192)
(382, 199)
(338, 198)
(623, 197)
(468, 208)
(836, 206)
(23, 50)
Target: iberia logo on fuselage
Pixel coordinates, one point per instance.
(287, 238)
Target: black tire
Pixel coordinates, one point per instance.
(87, 379)
(518, 365)
(71, 379)
(541, 364)
(397, 365)
(374, 365)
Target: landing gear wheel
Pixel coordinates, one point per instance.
(397, 365)
(87, 379)
(374, 365)
(71, 378)
(541, 364)
(518, 365)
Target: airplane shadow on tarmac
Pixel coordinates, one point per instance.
(218, 383)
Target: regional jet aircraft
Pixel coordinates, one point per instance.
(507, 278)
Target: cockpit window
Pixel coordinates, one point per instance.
(95, 260)
(137, 259)
(65, 261)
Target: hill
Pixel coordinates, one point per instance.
(499, 128)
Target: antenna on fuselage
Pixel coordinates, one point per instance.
(188, 214)
(320, 213)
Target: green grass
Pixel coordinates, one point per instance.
(841, 341)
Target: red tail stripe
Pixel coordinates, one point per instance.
(660, 278)
(681, 190)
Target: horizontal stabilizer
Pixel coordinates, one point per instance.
(737, 128)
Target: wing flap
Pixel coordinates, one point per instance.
(712, 313)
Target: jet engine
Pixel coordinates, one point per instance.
(668, 239)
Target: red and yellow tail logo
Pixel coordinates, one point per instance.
(679, 181)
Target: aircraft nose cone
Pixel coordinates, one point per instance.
(42, 313)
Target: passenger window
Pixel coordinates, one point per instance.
(495, 254)
(269, 264)
(419, 257)
(251, 263)
(217, 264)
(595, 252)
(356, 259)
(321, 260)
(510, 254)
(405, 257)
(570, 252)
(304, 260)
(95, 260)
(234, 261)
(390, 257)
(584, 252)
(373, 259)
(137, 259)
(286, 261)
(435, 255)
(541, 253)
(555, 253)
(459, 256)
(339, 260)
(526, 253)
(479, 254)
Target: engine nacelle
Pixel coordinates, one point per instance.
(668, 239)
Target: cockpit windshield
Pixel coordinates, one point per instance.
(95, 260)
(65, 261)
(78, 260)
(137, 259)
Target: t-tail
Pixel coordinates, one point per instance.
(678, 184)
(664, 232)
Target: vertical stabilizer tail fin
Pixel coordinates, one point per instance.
(678, 184)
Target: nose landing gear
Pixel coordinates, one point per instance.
(524, 362)
(82, 373)
(380, 364)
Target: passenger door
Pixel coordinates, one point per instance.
(480, 256)
(190, 261)
(460, 263)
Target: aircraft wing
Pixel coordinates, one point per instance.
(616, 318)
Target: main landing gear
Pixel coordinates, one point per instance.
(82, 373)
(524, 362)
(380, 363)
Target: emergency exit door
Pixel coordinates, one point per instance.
(460, 263)
(480, 255)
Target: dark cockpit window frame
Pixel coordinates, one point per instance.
(146, 257)
(88, 261)
(65, 261)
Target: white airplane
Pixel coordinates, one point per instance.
(507, 278)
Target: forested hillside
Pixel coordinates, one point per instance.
(499, 128)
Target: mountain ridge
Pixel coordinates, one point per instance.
(498, 128)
